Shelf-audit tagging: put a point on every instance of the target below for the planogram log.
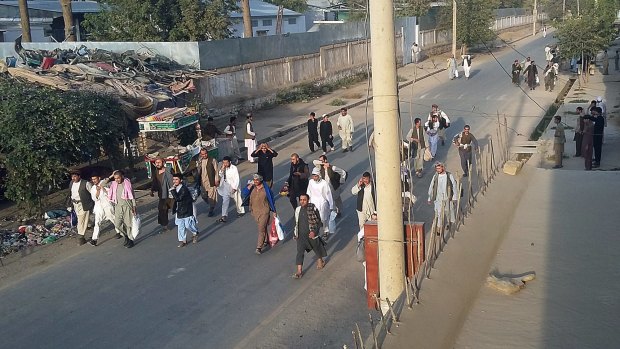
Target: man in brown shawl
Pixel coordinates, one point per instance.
(209, 179)
(307, 224)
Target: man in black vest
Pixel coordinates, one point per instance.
(365, 192)
(82, 202)
(335, 176)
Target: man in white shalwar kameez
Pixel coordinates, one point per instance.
(103, 207)
(321, 196)
(229, 188)
(345, 130)
(444, 193)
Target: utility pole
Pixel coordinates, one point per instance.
(24, 20)
(535, 14)
(248, 32)
(454, 28)
(387, 138)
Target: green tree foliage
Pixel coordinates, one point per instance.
(45, 131)
(161, 20)
(589, 33)
(474, 17)
(296, 5)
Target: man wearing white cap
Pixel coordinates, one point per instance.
(321, 197)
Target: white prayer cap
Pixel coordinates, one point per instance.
(324, 115)
(599, 99)
(316, 171)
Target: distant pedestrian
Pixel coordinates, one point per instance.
(210, 131)
(443, 192)
(418, 141)
(365, 191)
(452, 68)
(307, 225)
(229, 188)
(544, 31)
(103, 209)
(208, 178)
(265, 155)
(298, 178)
(597, 136)
(432, 129)
(616, 60)
(81, 201)
(262, 205)
(550, 74)
(579, 129)
(231, 133)
(587, 143)
(185, 218)
(313, 132)
(345, 129)
(250, 136)
(548, 54)
(466, 143)
(531, 75)
(161, 182)
(326, 132)
(516, 73)
(466, 65)
(321, 197)
(121, 194)
(415, 53)
(335, 177)
(605, 63)
(444, 121)
(559, 139)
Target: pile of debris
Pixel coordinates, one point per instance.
(34, 235)
(139, 80)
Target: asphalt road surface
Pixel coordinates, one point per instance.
(218, 293)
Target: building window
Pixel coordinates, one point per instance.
(267, 23)
(292, 21)
(255, 23)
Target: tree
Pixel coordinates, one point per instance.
(247, 19)
(296, 5)
(67, 15)
(45, 131)
(24, 20)
(161, 20)
(474, 17)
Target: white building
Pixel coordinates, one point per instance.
(264, 19)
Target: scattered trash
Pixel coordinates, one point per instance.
(34, 235)
(507, 284)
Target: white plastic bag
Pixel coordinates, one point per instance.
(332, 222)
(135, 226)
(456, 73)
(279, 229)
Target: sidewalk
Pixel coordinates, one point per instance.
(560, 224)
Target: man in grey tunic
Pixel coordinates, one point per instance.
(307, 224)
(443, 193)
(122, 196)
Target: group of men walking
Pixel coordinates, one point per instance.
(324, 130)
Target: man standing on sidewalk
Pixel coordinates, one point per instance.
(559, 139)
(229, 187)
(444, 122)
(313, 132)
(231, 133)
(103, 209)
(82, 202)
(597, 137)
(250, 137)
(161, 183)
(415, 53)
(418, 142)
(184, 209)
(345, 129)
(209, 179)
(465, 142)
(326, 132)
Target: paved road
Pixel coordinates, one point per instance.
(219, 294)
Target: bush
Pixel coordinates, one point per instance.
(337, 102)
(45, 131)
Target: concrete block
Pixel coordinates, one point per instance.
(512, 167)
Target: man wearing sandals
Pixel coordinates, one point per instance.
(307, 224)
(262, 204)
(229, 187)
(184, 209)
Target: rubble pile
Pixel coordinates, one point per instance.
(14, 240)
(139, 80)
